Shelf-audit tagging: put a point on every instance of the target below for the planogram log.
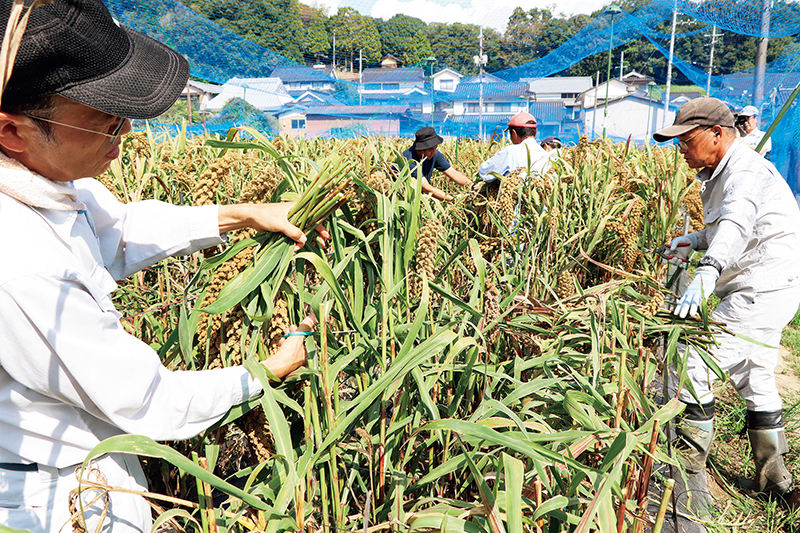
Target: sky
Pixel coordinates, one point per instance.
(487, 13)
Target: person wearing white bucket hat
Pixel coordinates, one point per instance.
(70, 375)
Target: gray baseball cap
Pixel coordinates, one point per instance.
(697, 112)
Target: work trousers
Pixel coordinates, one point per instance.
(760, 316)
(39, 500)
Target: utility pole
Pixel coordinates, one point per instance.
(669, 64)
(714, 36)
(761, 54)
(480, 60)
(594, 113)
(621, 62)
(334, 51)
(360, 76)
(612, 11)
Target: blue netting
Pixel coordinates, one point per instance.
(376, 106)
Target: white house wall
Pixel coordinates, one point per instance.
(615, 90)
(630, 116)
(445, 76)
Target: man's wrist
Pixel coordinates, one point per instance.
(711, 262)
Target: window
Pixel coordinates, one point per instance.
(391, 86)
(446, 85)
(372, 86)
(298, 123)
(569, 95)
(417, 108)
(502, 108)
(473, 108)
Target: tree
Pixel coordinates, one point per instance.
(520, 43)
(273, 24)
(355, 32)
(419, 49)
(405, 38)
(317, 38)
(456, 44)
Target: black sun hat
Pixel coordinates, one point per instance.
(698, 112)
(426, 138)
(74, 48)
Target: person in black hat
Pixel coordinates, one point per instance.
(551, 143)
(751, 249)
(423, 154)
(70, 375)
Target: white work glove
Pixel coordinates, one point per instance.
(701, 287)
(681, 249)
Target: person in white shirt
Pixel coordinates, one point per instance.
(70, 375)
(748, 122)
(524, 152)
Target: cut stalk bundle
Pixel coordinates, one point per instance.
(327, 192)
(256, 286)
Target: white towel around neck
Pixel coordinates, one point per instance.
(21, 183)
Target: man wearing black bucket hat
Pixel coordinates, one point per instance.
(751, 242)
(70, 376)
(423, 154)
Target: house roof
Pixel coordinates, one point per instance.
(636, 77)
(393, 75)
(266, 94)
(684, 95)
(211, 88)
(487, 78)
(444, 70)
(565, 84)
(417, 96)
(314, 97)
(616, 91)
(300, 73)
(491, 91)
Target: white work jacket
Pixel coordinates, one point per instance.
(516, 156)
(70, 376)
(748, 191)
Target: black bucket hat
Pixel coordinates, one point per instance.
(74, 48)
(426, 138)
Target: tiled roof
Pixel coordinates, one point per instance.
(212, 88)
(472, 91)
(301, 73)
(265, 94)
(487, 78)
(393, 75)
(309, 97)
(565, 84)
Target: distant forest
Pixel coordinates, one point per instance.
(305, 34)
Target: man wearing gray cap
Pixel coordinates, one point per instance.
(752, 249)
(70, 375)
(748, 122)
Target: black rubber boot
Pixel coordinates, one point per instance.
(768, 441)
